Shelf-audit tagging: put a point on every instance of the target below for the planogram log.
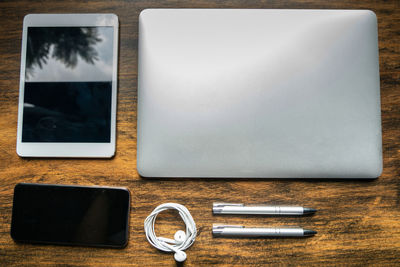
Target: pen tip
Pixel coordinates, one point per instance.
(309, 232)
(309, 211)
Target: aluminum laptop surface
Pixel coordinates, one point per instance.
(258, 94)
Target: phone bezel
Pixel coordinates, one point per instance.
(23, 240)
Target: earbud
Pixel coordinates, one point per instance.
(180, 256)
(180, 236)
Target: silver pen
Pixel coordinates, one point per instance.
(231, 208)
(241, 231)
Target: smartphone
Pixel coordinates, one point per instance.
(70, 215)
(68, 85)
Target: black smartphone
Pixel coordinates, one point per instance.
(70, 215)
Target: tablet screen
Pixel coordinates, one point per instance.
(68, 84)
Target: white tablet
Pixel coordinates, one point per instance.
(68, 85)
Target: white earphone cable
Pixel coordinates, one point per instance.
(182, 240)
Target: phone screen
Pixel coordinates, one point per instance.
(70, 215)
(68, 84)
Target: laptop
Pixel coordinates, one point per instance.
(258, 93)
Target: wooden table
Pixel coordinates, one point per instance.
(358, 222)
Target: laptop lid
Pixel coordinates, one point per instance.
(258, 94)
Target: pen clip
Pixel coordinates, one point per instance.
(219, 206)
(223, 226)
(217, 229)
(223, 204)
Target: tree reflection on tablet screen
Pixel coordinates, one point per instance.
(62, 43)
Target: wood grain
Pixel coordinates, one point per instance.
(358, 222)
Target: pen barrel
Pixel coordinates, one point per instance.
(259, 232)
(259, 210)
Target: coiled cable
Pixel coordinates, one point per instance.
(182, 240)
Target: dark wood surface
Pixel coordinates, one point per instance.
(358, 222)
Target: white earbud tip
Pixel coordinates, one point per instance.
(180, 236)
(180, 256)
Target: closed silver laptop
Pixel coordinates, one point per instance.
(258, 94)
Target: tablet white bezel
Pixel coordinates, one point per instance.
(45, 149)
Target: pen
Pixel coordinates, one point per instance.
(241, 231)
(231, 208)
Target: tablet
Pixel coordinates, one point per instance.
(68, 85)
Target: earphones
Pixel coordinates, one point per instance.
(179, 238)
(182, 240)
